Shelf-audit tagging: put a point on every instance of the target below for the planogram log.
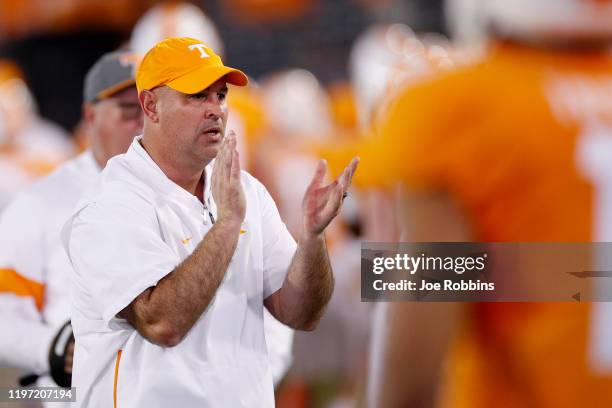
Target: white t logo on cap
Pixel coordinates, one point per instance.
(201, 48)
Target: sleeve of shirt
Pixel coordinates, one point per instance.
(22, 287)
(278, 246)
(117, 251)
(405, 144)
(27, 343)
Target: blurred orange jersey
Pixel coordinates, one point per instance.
(19, 18)
(247, 114)
(522, 141)
(262, 11)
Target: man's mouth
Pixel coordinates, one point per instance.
(212, 130)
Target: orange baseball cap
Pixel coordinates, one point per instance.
(186, 65)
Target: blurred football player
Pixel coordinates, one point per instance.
(514, 148)
(30, 146)
(34, 269)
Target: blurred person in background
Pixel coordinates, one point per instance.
(246, 119)
(173, 19)
(30, 146)
(385, 59)
(34, 269)
(514, 148)
(298, 113)
(58, 41)
(256, 12)
(382, 58)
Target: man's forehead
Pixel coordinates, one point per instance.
(218, 85)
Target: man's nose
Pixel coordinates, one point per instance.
(214, 110)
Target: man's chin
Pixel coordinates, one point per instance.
(208, 148)
(211, 151)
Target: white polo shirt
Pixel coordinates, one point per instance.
(129, 231)
(34, 268)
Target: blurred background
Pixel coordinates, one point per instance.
(325, 74)
(55, 43)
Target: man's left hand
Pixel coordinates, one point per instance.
(322, 203)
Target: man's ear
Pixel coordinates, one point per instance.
(148, 102)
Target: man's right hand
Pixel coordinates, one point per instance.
(226, 185)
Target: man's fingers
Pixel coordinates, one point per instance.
(327, 195)
(343, 180)
(333, 203)
(321, 196)
(317, 179)
(235, 171)
(230, 147)
(235, 158)
(225, 156)
(337, 196)
(324, 191)
(353, 167)
(220, 162)
(346, 177)
(231, 137)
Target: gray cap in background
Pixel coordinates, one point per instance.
(112, 73)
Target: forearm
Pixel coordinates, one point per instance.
(308, 286)
(166, 312)
(409, 346)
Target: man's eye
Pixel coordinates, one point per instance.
(200, 95)
(222, 96)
